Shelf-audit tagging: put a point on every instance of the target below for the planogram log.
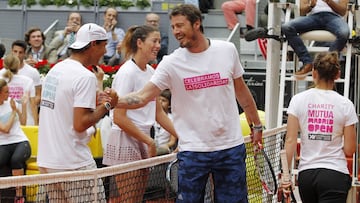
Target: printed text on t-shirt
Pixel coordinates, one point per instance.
(205, 81)
(320, 121)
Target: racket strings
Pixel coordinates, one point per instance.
(265, 171)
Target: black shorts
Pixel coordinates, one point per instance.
(323, 186)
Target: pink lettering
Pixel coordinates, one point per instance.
(320, 128)
(204, 81)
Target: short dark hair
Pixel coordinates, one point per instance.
(20, 43)
(68, 18)
(2, 50)
(30, 31)
(191, 12)
(85, 47)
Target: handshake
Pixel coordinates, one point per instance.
(108, 97)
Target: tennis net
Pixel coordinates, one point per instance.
(140, 181)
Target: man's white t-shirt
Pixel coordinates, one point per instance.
(67, 85)
(322, 116)
(203, 101)
(31, 72)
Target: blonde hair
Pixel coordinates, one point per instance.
(11, 64)
(3, 83)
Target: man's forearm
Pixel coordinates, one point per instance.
(130, 101)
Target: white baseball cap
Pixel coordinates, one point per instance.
(87, 33)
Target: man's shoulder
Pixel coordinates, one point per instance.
(29, 68)
(59, 32)
(219, 42)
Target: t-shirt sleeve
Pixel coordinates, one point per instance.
(123, 83)
(36, 78)
(238, 68)
(161, 76)
(291, 108)
(31, 88)
(350, 113)
(84, 90)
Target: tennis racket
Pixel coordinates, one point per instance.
(265, 170)
(172, 175)
(286, 178)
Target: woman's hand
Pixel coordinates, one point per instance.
(13, 104)
(152, 149)
(286, 188)
(25, 98)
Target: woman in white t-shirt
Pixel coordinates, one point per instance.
(20, 85)
(326, 122)
(14, 145)
(130, 138)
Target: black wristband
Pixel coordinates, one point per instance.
(257, 127)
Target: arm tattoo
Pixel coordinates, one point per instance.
(132, 99)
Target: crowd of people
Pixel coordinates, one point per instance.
(30, 99)
(171, 101)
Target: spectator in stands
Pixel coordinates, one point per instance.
(37, 50)
(68, 108)
(326, 121)
(19, 86)
(2, 53)
(2, 50)
(64, 38)
(316, 15)
(207, 129)
(154, 20)
(114, 34)
(165, 142)
(233, 7)
(18, 48)
(131, 128)
(14, 145)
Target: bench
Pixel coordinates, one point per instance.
(32, 134)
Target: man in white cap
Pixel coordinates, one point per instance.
(69, 107)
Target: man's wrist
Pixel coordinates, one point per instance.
(107, 106)
(259, 127)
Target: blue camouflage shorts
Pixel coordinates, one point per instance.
(228, 171)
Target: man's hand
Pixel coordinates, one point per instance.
(31, 61)
(118, 47)
(256, 134)
(113, 96)
(73, 27)
(99, 73)
(113, 24)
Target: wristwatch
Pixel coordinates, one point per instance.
(107, 106)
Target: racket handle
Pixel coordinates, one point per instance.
(285, 167)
